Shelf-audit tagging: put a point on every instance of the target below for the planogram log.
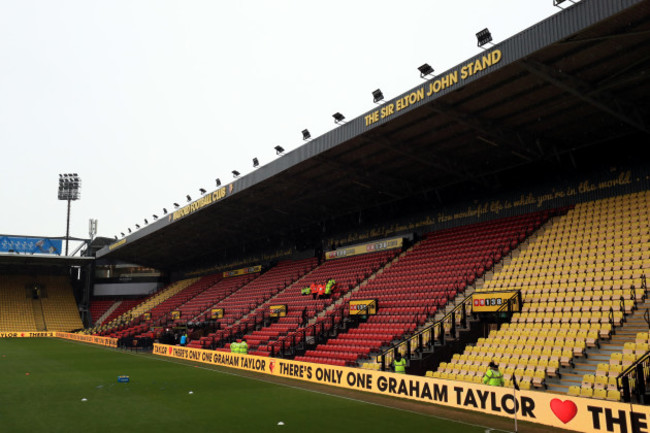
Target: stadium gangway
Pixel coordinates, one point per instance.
(446, 328)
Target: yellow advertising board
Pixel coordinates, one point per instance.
(242, 271)
(176, 314)
(278, 310)
(355, 250)
(488, 302)
(94, 339)
(561, 411)
(27, 334)
(363, 307)
(216, 313)
(146, 316)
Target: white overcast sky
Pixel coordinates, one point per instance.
(150, 100)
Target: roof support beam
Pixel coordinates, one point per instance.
(581, 89)
(503, 137)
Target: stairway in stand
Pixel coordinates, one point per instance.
(633, 324)
(39, 320)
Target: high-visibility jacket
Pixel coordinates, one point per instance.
(400, 366)
(493, 377)
(321, 289)
(314, 289)
(234, 347)
(243, 347)
(328, 287)
(305, 291)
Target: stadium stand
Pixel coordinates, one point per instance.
(145, 306)
(579, 278)
(348, 273)
(16, 309)
(43, 303)
(60, 311)
(241, 302)
(423, 279)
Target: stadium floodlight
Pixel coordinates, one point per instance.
(218, 181)
(122, 233)
(164, 211)
(115, 237)
(483, 37)
(256, 162)
(137, 226)
(338, 117)
(377, 96)
(202, 191)
(279, 150)
(155, 217)
(129, 228)
(425, 70)
(558, 2)
(305, 134)
(145, 221)
(235, 174)
(69, 186)
(176, 205)
(188, 198)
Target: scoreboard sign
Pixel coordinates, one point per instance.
(278, 310)
(363, 307)
(490, 302)
(216, 313)
(176, 314)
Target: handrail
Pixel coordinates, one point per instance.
(448, 319)
(639, 373)
(448, 322)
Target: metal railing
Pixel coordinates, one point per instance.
(447, 327)
(427, 337)
(634, 381)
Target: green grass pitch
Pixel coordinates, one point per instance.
(158, 399)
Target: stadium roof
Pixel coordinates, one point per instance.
(565, 88)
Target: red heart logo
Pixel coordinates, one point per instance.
(170, 350)
(271, 366)
(564, 410)
(22, 335)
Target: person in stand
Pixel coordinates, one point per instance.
(314, 290)
(399, 364)
(243, 347)
(493, 376)
(234, 347)
(184, 339)
(321, 291)
(305, 290)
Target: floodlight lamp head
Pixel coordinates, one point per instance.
(377, 96)
(483, 37)
(235, 174)
(146, 221)
(256, 162)
(425, 70)
(155, 217)
(202, 191)
(188, 197)
(338, 117)
(164, 211)
(279, 150)
(137, 226)
(218, 181)
(306, 135)
(176, 205)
